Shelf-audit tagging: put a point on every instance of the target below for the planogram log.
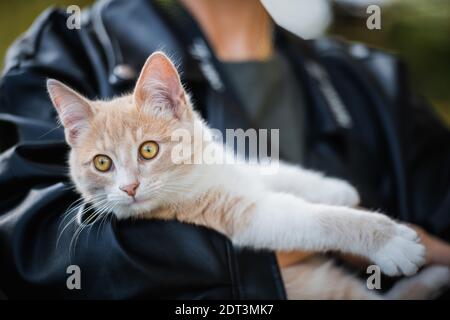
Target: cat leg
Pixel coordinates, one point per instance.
(310, 185)
(318, 278)
(285, 222)
(427, 284)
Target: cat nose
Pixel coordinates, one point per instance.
(130, 189)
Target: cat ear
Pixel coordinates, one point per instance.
(159, 87)
(74, 111)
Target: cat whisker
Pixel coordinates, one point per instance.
(75, 210)
(77, 213)
(149, 191)
(78, 231)
(49, 131)
(105, 217)
(99, 215)
(73, 207)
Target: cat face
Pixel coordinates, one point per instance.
(120, 157)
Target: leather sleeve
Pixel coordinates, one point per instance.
(366, 77)
(425, 142)
(118, 259)
(427, 149)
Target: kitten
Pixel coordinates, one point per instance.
(122, 158)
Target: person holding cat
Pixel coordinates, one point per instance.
(242, 72)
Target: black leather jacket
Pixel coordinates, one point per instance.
(363, 124)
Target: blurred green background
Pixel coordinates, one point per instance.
(418, 30)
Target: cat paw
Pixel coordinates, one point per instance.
(341, 193)
(403, 254)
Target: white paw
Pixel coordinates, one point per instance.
(403, 254)
(341, 193)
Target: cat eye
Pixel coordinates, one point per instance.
(102, 163)
(148, 150)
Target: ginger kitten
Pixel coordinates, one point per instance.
(122, 159)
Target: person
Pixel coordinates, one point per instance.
(342, 108)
